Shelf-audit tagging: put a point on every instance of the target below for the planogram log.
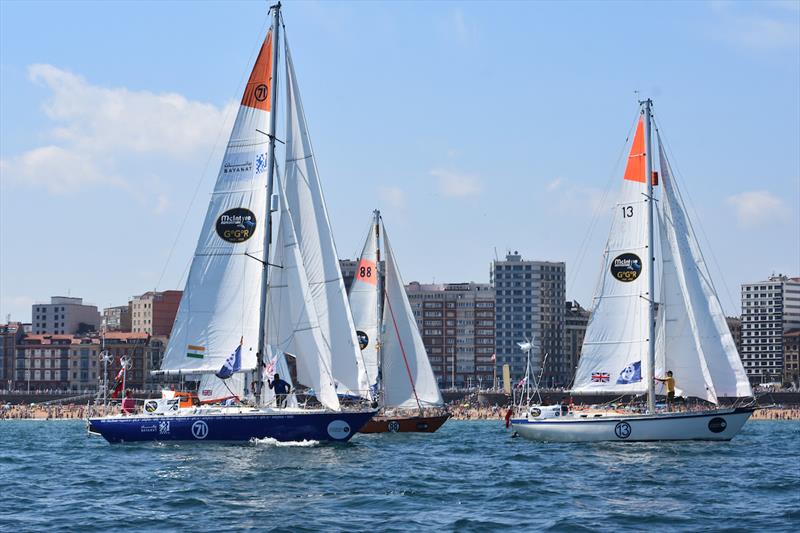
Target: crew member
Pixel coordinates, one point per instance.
(281, 390)
(670, 383)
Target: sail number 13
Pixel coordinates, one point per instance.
(627, 211)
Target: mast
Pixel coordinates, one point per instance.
(651, 261)
(379, 303)
(273, 115)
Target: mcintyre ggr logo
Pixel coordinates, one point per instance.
(626, 267)
(236, 225)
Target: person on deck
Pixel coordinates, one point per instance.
(128, 403)
(670, 383)
(281, 390)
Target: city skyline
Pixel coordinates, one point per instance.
(465, 136)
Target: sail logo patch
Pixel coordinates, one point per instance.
(261, 92)
(261, 163)
(339, 429)
(236, 225)
(626, 267)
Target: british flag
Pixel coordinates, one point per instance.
(600, 377)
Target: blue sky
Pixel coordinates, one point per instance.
(473, 127)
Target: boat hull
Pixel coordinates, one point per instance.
(405, 424)
(722, 424)
(324, 426)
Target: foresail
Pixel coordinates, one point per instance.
(713, 342)
(614, 354)
(292, 324)
(408, 379)
(313, 230)
(364, 294)
(220, 303)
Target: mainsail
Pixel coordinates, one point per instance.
(313, 232)
(364, 300)
(614, 354)
(408, 379)
(220, 303)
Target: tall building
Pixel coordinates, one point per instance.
(769, 310)
(530, 299)
(791, 357)
(735, 327)
(154, 312)
(348, 268)
(117, 318)
(576, 320)
(64, 316)
(456, 321)
(10, 334)
(43, 362)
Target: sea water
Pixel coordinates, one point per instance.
(469, 476)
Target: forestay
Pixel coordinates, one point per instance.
(220, 303)
(313, 231)
(408, 378)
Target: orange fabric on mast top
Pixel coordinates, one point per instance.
(257, 92)
(636, 160)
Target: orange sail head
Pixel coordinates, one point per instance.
(636, 170)
(258, 91)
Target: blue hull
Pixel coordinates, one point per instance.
(319, 426)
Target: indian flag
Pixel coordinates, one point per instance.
(197, 352)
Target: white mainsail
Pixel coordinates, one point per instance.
(614, 354)
(408, 379)
(313, 231)
(364, 299)
(220, 303)
(713, 346)
(292, 324)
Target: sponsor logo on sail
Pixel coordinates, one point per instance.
(236, 225)
(363, 339)
(630, 374)
(236, 168)
(622, 430)
(626, 267)
(339, 429)
(261, 163)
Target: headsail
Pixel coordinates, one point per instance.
(220, 302)
(364, 295)
(292, 324)
(614, 354)
(712, 343)
(314, 235)
(407, 374)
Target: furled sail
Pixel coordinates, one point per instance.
(712, 348)
(220, 303)
(313, 231)
(292, 325)
(614, 354)
(408, 378)
(364, 294)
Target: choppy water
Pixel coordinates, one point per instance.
(470, 476)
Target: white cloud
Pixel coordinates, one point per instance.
(757, 26)
(393, 196)
(456, 184)
(554, 184)
(755, 208)
(96, 131)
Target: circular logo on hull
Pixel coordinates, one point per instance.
(339, 429)
(394, 426)
(622, 430)
(236, 225)
(626, 267)
(199, 430)
(717, 425)
(363, 339)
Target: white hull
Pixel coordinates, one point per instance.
(721, 424)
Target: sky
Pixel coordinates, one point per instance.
(476, 128)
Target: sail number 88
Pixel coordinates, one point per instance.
(365, 272)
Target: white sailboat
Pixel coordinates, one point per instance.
(396, 362)
(248, 301)
(628, 345)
